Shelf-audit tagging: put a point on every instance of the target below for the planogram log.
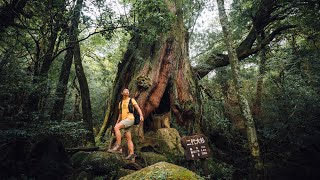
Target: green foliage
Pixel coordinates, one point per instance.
(153, 18)
(71, 133)
(14, 84)
(220, 170)
(287, 129)
(214, 117)
(241, 16)
(100, 64)
(291, 115)
(23, 50)
(192, 10)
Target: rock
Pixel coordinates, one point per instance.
(150, 158)
(100, 163)
(133, 166)
(124, 172)
(169, 141)
(78, 157)
(162, 170)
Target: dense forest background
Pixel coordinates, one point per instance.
(63, 64)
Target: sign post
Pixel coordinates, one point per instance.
(197, 147)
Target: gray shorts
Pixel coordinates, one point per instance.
(128, 124)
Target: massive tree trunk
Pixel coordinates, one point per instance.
(159, 76)
(85, 95)
(244, 106)
(56, 114)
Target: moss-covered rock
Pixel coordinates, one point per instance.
(98, 162)
(162, 170)
(151, 158)
(102, 163)
(169, 141)
(77, 158)
(124, 172)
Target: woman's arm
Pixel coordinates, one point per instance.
(139, 111)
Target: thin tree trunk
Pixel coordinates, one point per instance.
(61, 91)
(85, 95)
(244, 106)
(77, 100)
(258, 100)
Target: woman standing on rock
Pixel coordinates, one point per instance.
(126, 121)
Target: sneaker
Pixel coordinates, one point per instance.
(116, 149)
(131, 156)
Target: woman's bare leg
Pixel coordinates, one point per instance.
(130, 143)
(117, 132)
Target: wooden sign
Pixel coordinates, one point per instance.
(196, 147)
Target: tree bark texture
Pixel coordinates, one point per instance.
(259, 88)
(61, 90)
(85, 95)
(159, 77)
(244, 106)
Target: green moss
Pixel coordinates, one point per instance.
(124, 172)
(102, 163)
(152, 158)
(144, 82)
(163, 170)
(77, 158)
(169, 141)
(188, 105)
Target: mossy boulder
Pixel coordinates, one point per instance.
(150, 158)
(124, 172)
(163, 170)
(77, 158)
(98, 162)
(169, 141)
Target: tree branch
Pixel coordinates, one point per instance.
(215, 60)
(96, 32)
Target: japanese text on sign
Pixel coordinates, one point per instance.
(196, 147)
